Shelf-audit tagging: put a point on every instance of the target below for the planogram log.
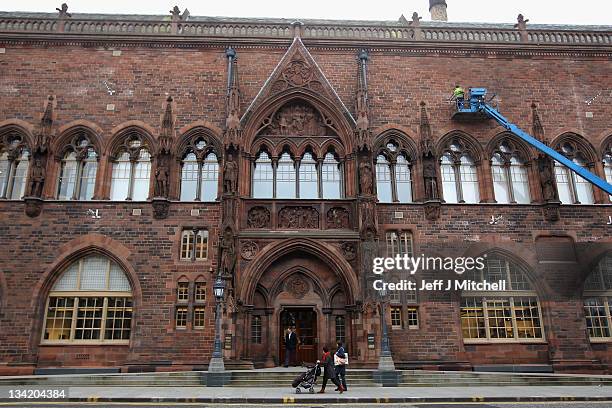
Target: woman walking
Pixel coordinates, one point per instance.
(327, 362)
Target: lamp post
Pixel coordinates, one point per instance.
(385, 361)
(216, 362)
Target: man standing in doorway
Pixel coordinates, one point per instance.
(340, 361)
(291, 342)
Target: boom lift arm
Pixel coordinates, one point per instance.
(478, 106)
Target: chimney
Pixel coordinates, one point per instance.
(437, 8)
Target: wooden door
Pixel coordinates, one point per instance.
(305, 323)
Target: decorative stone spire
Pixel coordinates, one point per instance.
(167, 131)
(424, 129)
(437, 8)
(362, 131)
(46, 125)
(536, 127)
(233, 129)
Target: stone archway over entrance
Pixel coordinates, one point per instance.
(301, 287)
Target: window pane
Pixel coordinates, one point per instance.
(563, 183)
(403, 180)
(4, 169)
(449, 186)
(500, 180)
(189, 178)
(331, 177)
(187, 242)
(142, 177)
(308, 177)
(263, 177)
(607, 171)
(469, 180)
(413, 318)
(88, 176)
(499, 315)
(383, 180)
(68, 280)
(201, 245)
(67, 180)
(285, 177)
(182, 292)
(181, 317)
(59, 318)
(396, 317)
(120, 182)
(94, 273)
(199, 314)
(584, 189)
(527, 315)
(89, 318)
(20, 176)
(210, 178)
(117, 280)
(118, 319)
(200, 292)
(596, 319)
(520, 181)
(472, 319)
(341, 329)
(256, 330)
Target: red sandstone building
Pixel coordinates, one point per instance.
(140, 156)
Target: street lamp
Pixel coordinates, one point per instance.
(216, 362)
(385, 361)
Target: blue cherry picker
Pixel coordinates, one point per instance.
(478, 109)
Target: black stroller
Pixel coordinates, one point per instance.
(307, 380)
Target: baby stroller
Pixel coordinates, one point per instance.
(307, 380)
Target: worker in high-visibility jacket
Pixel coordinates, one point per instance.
(459, 96)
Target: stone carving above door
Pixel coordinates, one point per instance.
(298, 218)
(297, 286)
(259, 217)
(249, 249)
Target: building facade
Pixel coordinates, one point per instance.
(143, 156)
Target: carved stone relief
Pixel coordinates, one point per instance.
(297, 286)
(297, 119)
(248, 250)
(298, 218)
(259, 217)
(338, 218)
(348, 250)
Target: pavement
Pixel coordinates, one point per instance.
(286, 395)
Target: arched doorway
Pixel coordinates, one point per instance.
(299, 287)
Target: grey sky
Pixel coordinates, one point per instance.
(498, 11)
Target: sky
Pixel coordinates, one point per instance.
(584, 12)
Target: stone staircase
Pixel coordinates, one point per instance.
(419, 378)
(282, 378)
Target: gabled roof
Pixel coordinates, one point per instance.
(297, 70)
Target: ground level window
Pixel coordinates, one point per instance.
(340, 329)
(181, 317)
(413, 317)
(396, 317)
(256, 330)
(198, 317)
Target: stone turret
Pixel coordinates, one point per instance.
(437, 8)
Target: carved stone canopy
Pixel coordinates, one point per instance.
(134, 144)
(82, 145)
(13, 144)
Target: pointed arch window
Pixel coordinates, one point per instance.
(331, 177)
(189, 177)
(393, 173)
(383, 180)
(572, 188)
(91, 302)
(78, 169)
(199, 174)
(513, 315)
(309, 177)
(607, 162)
(263, 177)
(14, 165)
(13, 174)
(459, 175)
(131, 174)
(285, 177)
(510, 177)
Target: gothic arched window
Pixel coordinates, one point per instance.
(78, 169)
(285, 177)
(459, 175)
(199, 172)
(572, 188)
(393, 173)
(91, 302)
(331, 177)
(309, 177)
(14, 165)
(510, 178)
(263, 177)
(597, 297)
(131, 175)
(607, 162)
(509, 315)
